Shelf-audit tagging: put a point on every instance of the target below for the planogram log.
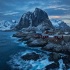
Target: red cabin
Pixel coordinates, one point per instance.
(58, 37)
(45, 37)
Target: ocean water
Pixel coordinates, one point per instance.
(8, 46)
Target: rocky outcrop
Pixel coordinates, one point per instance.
(34, 19)
(19, 35)
(54, 56)
(37, 43)
(31, 56)
(66, 61)
(60, 48)
(53, 66)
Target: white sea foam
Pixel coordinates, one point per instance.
(61, 65)
(22, 44)
(17, 62)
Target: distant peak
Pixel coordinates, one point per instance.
(38, 9)
(57, 20)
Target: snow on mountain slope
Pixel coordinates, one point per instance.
(60, 25)
(57, 23)
(7, 25)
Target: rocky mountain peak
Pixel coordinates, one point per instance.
(37, 10)
(40, 13)
(33, 18)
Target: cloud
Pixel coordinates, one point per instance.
(55, 8)
(54, 17)
(66, 18)
(10, 13)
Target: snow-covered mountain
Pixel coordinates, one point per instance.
(7, 25)
(61, 25)
(40, 19)
(33, 18)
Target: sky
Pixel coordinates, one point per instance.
(14, 9)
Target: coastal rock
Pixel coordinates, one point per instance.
(30, 40)
(66, 61)
(19, 34)
(31, 56)
(37, 43)
(52, 47)
(65, 48)
(54, 56)
(53, 66)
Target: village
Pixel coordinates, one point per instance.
(47, 34)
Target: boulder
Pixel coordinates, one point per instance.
(66, 61)
(19, 34)
(54, 56)
(53, 66)
(52, 47)
(60, 48)
(37, 43)
(31, 56)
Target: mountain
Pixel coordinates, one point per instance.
(33, 19)
(59, 24)
(7, 25)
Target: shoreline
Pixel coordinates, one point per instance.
(57, 57)
(44, 44)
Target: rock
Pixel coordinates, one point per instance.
(66, 59)
(37, 43)
(31, 56)
(60, 48)
(52, 47)
(23, 39)
(34, 19)
(53, 66)
(30, 40)
(54, 56)
(19, 34)
(66, 38)
(44, 26)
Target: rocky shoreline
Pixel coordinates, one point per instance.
(45, 44)
(56, 49)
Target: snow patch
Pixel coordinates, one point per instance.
(7, 25)
(56, 23)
